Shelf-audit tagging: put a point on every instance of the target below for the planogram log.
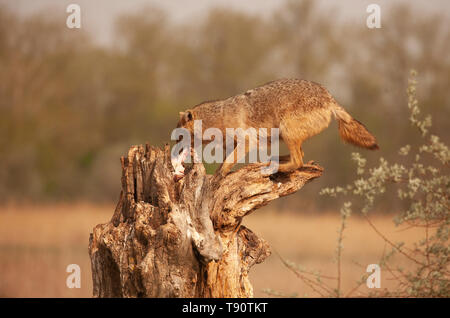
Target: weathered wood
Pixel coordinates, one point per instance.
(185, 238)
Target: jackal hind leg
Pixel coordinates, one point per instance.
(293, 135)
(285, 158)
(282, 158)
(296, 158)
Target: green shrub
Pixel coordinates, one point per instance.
(422, 182)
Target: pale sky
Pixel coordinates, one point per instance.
(98, 15)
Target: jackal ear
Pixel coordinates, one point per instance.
(186, 116)
(189, 115)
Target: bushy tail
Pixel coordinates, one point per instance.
(352, 131)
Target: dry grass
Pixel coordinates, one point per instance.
(311, 241)
(37, 244)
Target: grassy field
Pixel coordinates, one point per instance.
(37, 244)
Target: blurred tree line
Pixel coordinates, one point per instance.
(70, 108)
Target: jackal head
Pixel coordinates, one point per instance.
(186, 121)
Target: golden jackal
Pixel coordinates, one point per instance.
(299, 108)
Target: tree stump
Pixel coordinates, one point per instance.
(184, 238)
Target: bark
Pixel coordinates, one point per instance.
(184, 238)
